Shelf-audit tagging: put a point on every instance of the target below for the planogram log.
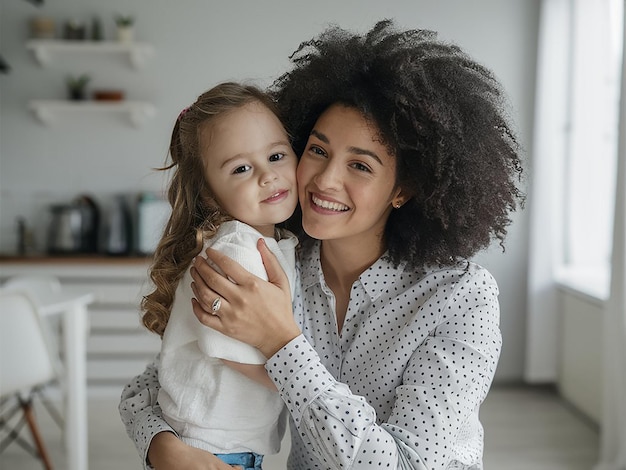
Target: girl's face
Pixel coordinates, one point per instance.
(250, 166)
(346, 179)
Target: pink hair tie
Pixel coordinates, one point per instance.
(183, 112)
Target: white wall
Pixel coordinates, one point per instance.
(581, 366)
(199, 43)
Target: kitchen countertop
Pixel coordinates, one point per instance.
(73, 259)
(76, 267)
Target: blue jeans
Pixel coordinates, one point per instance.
(248, 460)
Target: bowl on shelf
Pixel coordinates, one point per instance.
(108, 95)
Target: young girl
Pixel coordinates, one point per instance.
(234, 179)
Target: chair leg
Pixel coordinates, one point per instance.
(34, 430)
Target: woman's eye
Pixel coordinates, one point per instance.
(276, 157)
(241, 169)
(361, 167)
(317, 150)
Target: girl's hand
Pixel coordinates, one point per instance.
(168, 452)
(252, 310)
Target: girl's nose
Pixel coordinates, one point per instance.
(268, 177)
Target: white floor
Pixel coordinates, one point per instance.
(532, 429)
(525, 429)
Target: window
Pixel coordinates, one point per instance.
(589, 180)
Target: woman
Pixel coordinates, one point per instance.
(408, 168)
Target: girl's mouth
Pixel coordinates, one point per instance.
(277, 196)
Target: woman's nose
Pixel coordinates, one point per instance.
(328, 178)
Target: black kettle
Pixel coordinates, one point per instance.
(118, 238)
(74, 227)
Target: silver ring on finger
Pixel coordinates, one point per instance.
(216, 305)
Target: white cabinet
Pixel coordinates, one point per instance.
(118, 346)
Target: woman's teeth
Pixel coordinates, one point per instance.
(333, 206)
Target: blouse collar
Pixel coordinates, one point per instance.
(375, 280)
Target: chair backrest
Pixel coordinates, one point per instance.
(25, 359)
(36, 285)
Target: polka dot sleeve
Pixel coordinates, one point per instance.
(322, 408)
(140, 411)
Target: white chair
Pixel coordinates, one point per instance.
(38, 286)
(25, 362)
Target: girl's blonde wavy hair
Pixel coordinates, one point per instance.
(196, 215)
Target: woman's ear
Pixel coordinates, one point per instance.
(399, 199)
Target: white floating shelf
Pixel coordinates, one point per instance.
(43, 49)
(49, 111)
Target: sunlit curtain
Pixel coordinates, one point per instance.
(558, 111)
(574, 147)
(545, 196)
(613, 426)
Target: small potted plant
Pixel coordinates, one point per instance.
(124, 25)
(77, 87)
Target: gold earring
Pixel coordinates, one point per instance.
(397, 205)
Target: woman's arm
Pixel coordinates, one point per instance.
(140, 411)
(158, 445)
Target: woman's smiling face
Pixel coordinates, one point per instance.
(346, 179)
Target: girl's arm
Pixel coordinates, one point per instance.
(254, 372)
(239, 246)
(241, 357)
(254, 311)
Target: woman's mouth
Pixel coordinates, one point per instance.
(328, 205)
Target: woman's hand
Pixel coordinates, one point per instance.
(168, 452)
(252, 310)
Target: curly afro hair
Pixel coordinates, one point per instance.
(439, 112)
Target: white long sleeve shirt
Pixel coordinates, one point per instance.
(210, 405)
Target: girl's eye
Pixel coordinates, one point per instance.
(276, 157)
(241, 169)
(361, 167)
